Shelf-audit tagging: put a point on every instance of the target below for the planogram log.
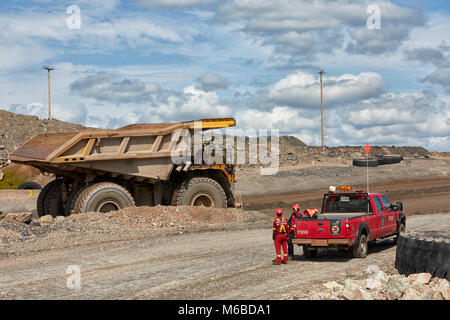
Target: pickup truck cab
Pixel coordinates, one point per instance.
(348, 221)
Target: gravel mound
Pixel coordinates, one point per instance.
(127, 224)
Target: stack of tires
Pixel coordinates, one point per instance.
(379, 160)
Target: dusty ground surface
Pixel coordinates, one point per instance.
(208, 265)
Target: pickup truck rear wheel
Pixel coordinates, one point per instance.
(103, 197)
(360, 248)
(309, 252)
(200, 192)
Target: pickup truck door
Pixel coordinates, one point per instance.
(391, 216)
(381, 229)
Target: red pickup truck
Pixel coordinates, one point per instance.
(348, 221)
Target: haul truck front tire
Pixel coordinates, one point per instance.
(103, 197)
(200, 192)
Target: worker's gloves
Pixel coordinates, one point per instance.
(274, 237)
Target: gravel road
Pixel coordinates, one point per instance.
(210, 265)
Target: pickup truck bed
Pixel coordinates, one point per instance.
(342, 216)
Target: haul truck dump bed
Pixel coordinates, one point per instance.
(104, 170)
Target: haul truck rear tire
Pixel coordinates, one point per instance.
(72, 199)
(48, 202)
(103, 197)
(198, 192)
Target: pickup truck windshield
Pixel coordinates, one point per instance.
(337, 203)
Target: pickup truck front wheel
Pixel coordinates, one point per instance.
(360, 248)
(309, 252)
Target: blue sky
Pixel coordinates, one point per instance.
(255, 60)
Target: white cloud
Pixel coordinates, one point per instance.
(37, 32)
(174, 3)
(286, 119)
(303, 90)
(211, 81)
(71, 113)
(110, 87)
(194, 103)
(307, 28)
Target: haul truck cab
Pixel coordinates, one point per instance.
(107, 170)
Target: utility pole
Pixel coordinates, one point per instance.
(49, 99)
(321, 72)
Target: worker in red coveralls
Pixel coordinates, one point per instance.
(280, 234)
(292, 225)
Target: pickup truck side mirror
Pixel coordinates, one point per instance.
(399, 206)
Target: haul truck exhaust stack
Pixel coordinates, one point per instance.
(106, 170)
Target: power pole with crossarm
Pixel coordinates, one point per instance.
(321, 103)
(49, 98)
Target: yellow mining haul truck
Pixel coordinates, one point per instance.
(106, 170)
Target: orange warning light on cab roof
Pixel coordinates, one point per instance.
(345, 188)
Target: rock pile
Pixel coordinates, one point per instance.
(379, 286)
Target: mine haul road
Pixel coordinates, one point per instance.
(209, 265)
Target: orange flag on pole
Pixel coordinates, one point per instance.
(367, 148)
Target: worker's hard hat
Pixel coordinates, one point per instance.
(296, 206)
(279, 211)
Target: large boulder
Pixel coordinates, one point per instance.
(354, 290)
(441, 289)
(47, 219)
(419, 278)
(377, 278)
(396, 286)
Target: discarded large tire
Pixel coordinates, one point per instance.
(365, 162)
(382, 160)
(29, 185)
(424, 252)
(103, 197)
(200, 192)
